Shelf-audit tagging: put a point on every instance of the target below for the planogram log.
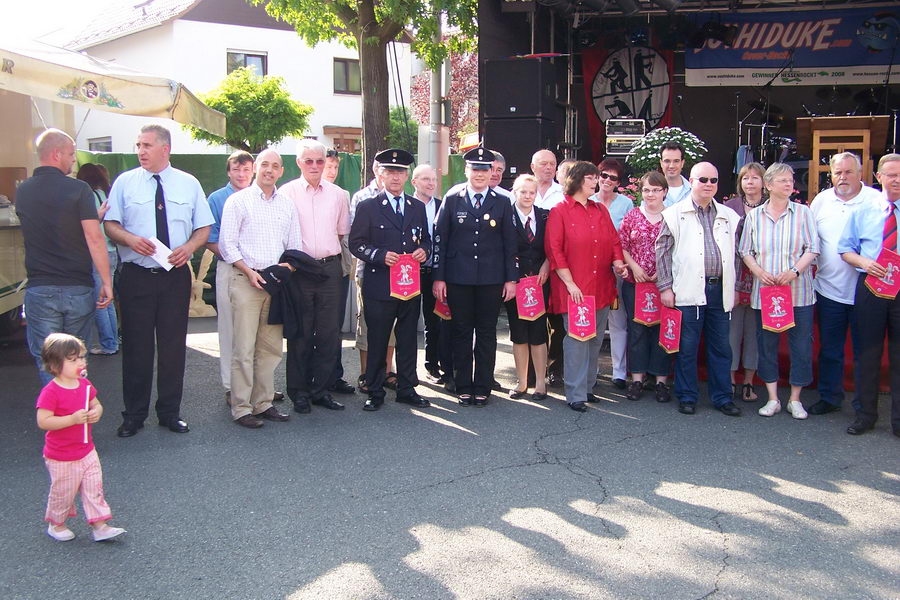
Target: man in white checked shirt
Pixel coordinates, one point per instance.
(258, 225)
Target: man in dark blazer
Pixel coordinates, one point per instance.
(475, 267)
(387, 226)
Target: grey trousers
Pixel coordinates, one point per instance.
(580, 360)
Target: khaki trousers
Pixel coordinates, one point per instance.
(255, 350)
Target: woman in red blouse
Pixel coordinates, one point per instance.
(583, 248)
(638, 234)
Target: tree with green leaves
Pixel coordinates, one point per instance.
(368, 26)
(403, 131)
(259, 112)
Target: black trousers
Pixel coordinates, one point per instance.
(310, 358)
(474, 308)
(432, 324)
(555, 350)
(154, 317)
(380, 318)
(875, 316)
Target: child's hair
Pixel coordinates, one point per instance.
(57, 348)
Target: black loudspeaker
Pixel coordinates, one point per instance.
(518, 87)
(517, 140)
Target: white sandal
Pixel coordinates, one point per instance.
(771, 408)
(796, 409)
(60, 536)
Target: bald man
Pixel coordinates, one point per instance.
(258, 225)
(63, 242)
(695, 274)
(549, 193)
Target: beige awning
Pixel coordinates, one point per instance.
(36, 69)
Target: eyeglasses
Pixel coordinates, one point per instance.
(708, 179)
(646, 191)
(313, 161)
(609, 176)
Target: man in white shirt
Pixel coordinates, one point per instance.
(258, 225)
(671, 162)
(549, 193)
(835, 280)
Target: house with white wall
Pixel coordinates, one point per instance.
(198, 42)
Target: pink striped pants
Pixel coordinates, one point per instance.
(67, 477)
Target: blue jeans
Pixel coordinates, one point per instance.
(56, 309)
(800, 341)
(834, 318)
(713, 323)
(105, 318)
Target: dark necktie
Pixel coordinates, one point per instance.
(528, 233)
(162, 225)
(398, 200)
(478, 198)
(890, 230)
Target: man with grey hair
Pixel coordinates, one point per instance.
(154, 209)
(63, 241)
(324, 220)
(835, 280)
(549, 193)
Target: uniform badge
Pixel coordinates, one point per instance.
(460, 220)
(384, 202)
(487, 216)
(493, 223)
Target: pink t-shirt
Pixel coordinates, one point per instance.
(67, 443)
(324, 215)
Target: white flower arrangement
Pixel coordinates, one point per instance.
(644, 155)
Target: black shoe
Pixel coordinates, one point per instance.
(578, 406)
(249, 421)
(687, 408)
(859, 427)
(278, 397)
(635, 388)
(272, 414)
(480, 401)
(342, 387)
(619, 383)
(128, 428)
(823, 408)
(465, 400)
(539, 397)
(302, 406)
(328, 402)
(176, 425)
(373, 403)
(516, 394)
(662, 392)
(414, 400)
(592, 399)
(450, 385)
(730, 408)
(496, 386)
(555, 380)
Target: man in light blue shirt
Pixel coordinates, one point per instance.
(160, 202)
(873, 227)
(239, 168)
(671, 162)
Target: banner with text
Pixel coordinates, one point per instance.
(823, 47)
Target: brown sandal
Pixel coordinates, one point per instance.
(748, 393)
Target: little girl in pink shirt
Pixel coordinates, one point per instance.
(66, 409)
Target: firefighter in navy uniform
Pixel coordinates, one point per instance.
(386, 226)
(474, 270)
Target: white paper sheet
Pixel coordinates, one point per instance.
(161, 255)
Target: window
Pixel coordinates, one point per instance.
(346, 76)
(100, 144)
(258, 63)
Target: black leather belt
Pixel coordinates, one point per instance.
(328, 259)
(154, 270)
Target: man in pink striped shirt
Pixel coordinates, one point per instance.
(324, 220)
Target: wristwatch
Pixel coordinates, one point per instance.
(796, 272)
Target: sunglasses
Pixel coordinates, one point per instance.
(708, 179)
(608, 176)
(313, 161)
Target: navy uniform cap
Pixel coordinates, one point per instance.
(479, 158)
(394, 158)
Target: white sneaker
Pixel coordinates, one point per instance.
(60, 536)
(107, 533)
(772, 407)
(796, 409)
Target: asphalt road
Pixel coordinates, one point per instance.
(516, 500)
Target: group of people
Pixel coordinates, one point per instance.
(285, 255)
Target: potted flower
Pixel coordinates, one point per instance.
(644, 154)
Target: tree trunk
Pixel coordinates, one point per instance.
(375, 122)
